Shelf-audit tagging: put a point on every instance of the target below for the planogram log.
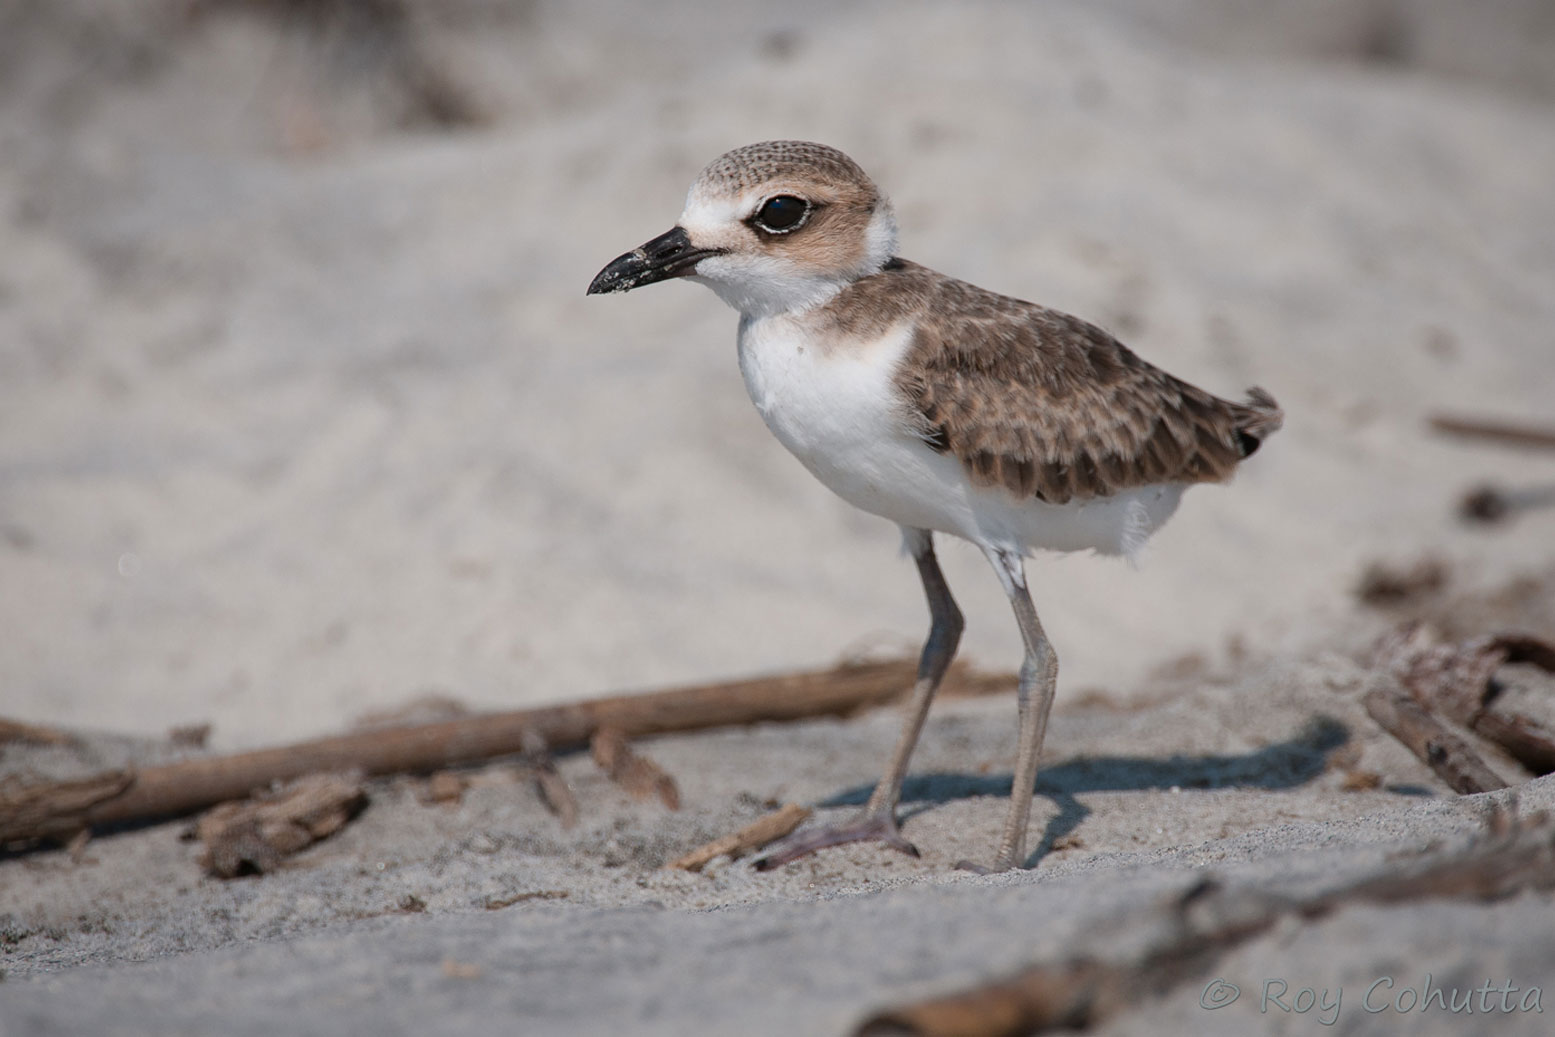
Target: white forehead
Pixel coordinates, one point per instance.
(709, 210)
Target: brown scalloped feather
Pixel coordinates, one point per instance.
(1042, 403)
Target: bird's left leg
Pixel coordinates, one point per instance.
(1038, 683)
(877, 821)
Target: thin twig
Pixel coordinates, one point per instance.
(553, 788)
(754, 836)
(636, 773)
(1498, 430)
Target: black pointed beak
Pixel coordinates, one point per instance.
(668, 255)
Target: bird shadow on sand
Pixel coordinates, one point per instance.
(1281, 765)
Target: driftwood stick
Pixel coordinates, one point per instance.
(1499, 431)
(754, 836)
(55, 809)
(1452, 758)
(1210, 921)
(1457, 681)
(181, 787)
(1529, 741)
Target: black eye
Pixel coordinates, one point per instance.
(782, 214)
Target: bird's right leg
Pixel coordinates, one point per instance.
(877, 820)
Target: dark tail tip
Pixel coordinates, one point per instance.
(1264, 418)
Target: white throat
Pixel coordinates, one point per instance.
(762, 285)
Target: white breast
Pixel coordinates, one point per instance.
(836, 407)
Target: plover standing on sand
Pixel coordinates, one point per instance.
(940, 406)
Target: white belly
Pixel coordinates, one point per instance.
(839, 412)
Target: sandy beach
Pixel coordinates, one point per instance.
(304, 415)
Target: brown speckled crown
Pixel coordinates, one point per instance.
(744, 168)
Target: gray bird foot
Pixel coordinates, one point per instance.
(867, 827)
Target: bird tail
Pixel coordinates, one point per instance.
(1261, 419)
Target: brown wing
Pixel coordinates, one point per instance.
(1049, 406)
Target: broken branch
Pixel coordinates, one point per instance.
(1452, 758)
(55, 809)
(554, 791)
(32, 812)
(254, 836)
(1458, 681)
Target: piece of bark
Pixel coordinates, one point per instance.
(1068, 995)
(637, 774)
(1451, 678)
(1484, 503)
(1386, 584)
(766, 829)
(188, 785)
(1360, 781)
(557, 794)
(1451, 757)
(1519, 715)
(1529, 741)
(76, 847)
(1206, 923)
(1524, 648)
(190, 736)
(55, 809)
(1487, 503)
(1457, 679)
(256, 835)
(554, 791)
(445, 787)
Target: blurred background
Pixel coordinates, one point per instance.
(303, 411)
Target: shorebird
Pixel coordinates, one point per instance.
(941, 406)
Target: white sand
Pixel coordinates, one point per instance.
(288, 437)
(304, 414)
